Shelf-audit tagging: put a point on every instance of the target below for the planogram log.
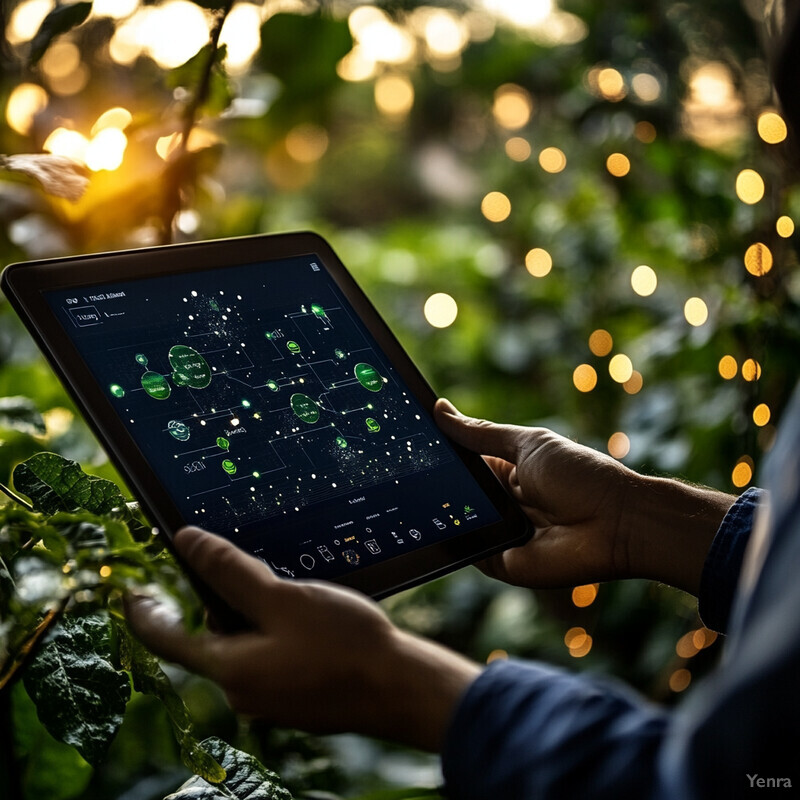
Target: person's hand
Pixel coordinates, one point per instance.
(319, 657)
(594, 518)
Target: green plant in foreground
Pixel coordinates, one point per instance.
(66, 557)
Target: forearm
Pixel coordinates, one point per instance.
(668, 529)
(414, 687)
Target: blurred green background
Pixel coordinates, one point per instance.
(577, 215)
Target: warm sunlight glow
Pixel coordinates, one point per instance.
(696, 311)
(538, 262)
(106, 149)
(496, 207)
(584, 377)
(241, 34)
(64, 142)
(644, 280)
(620, 368)
(440, 310)
(24, 103)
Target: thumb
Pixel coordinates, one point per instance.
(479, 435)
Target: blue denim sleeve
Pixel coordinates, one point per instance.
(526, 730)
(724, 561)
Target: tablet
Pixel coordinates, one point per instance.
(248, 386)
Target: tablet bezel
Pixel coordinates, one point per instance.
(24, 284)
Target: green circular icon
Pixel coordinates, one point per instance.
(229, 466)
(304, 408)
(223, 443)
(190, 368)
(178, 430)
(368, 377)
(293, 347)
(116, 390)
(156, 385)
(341, 442)
(372, 425)
(141, 358)
(272, 385)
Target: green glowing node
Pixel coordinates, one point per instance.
(156, 385)
(141, 358)
(368, 377)
(304, 408)
(256, 474)
(293, 347)
(269, 335)
(245, 404)
(223, 443)
(116, 390)
(340, 354)
(272, 385)
(190, 368)
(229, 466)
(341, 442)
(213, 305)
(317, 310)
(178, 430)
(372, 425)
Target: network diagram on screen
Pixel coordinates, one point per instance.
(271, 415)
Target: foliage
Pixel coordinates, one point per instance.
(310, 133)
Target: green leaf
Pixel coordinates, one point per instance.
(21, 414)
(247, 778)
(149, 678)
(54, 483)
(79, 696)
(218, 92)
(60, 20)
(49, 768)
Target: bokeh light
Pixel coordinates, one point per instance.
(751, 369)
(440, 310)
(65, 142)
(619, 445)
(728, 367)
(24, 103)
(116, 117)
(771, 127)
(552, 160)
(644, 280)
(584, 377)
(696, 311)
(518, 149)
(240, 34)
(512, 107)
(379, 40)
(686, 646)
(611, 84)
(758, 259)
(618, 164)
(749, 186)
(600, 342)
(679, 680)
(742, 473)
(646, 87)
(114, 9)
(496, 207)
(106, 150)
(394, 95)
(538, 262)
(645, 132)
(583, 596)
(25, 20)
(784, 226)
(620, 368)
(446, 35)
(761, 415)
(634, 384)
(307, 143)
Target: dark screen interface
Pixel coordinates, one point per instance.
(271, 416)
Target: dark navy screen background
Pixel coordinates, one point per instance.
(271, 416)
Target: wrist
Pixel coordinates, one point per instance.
(414, 689)
(668, 527)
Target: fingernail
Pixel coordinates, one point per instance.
(448, 407)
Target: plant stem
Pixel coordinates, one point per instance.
(15, 497)
(176, 173)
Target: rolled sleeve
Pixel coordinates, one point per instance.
(724, 561)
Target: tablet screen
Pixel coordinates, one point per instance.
(271, 415)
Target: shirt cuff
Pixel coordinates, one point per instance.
(724, 561)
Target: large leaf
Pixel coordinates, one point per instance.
(247, 778)
(149, 678)
(21, 414)
(58, 175)
(49, 768)
(61, 19)
(217, 92)
(79, 696)
(54, 483)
